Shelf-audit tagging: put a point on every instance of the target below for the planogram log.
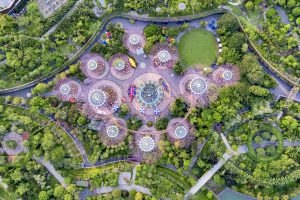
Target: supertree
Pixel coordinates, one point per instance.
(114, 132)
(226, 75)
(93, 66)
(179, 130)
(67, 89)
(164, 55)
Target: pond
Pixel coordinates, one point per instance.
(228, 194)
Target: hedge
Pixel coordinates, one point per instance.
(265, 128)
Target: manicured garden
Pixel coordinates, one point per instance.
(141, 101)
(198, 47)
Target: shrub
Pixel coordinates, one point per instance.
(133, 123)
(161, 123)
(179, 68)
(178, 108)
(11, 144)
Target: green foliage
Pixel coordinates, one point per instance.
(259, 91)
(152, 30)
(83, 21)
(236, 41)
(161, 123)
(149, 123)
(252, 71)
(124, 110)
(115, 44)
(227, 24)
(11, 144)
(259, 154)
(296, 11)
(133, 123)
(179, 68)
(178, 108)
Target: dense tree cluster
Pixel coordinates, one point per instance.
(78, 27)
(115, 44)
(276, 39)
(165, 8)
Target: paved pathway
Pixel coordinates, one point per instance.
(195, 157)
(284, 17)
(134, 174)
(3, 184)
(3, 61)
(102, 2)
(241, 150)
(109, 189)
(53, 28)
(52, 170)
(128, 188)
(208, 175)
(224, 139)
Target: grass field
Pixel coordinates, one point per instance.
(198, 47)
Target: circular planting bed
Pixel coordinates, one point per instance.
(198, 47)
(265, 145)
(12, 144)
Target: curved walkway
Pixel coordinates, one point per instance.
(73, 137)
(105, 19)
(128, 188)
(78, 144)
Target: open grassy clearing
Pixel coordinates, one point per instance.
(198, 47)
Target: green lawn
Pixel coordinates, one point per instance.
(198, 47)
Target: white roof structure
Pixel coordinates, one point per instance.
(181, 132)
(112, 131)
(181, 6)
(119, 64)
(134, 39)
(227, 75)
(97, 98)
(198, 85)
(164, 56)
(146, 144)
(92, 65)
(65, 89)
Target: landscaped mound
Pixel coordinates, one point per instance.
(265, 145)
(198, 47)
